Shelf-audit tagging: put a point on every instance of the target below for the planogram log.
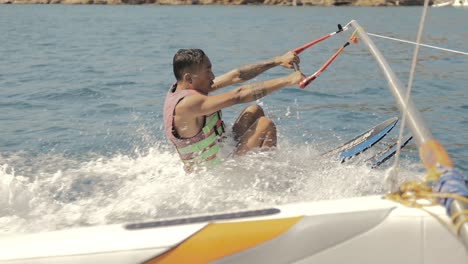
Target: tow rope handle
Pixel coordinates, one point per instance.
(300, 49)
(312, 77)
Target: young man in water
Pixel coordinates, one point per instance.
(192, 118)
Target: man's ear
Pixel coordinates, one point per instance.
(187, 77)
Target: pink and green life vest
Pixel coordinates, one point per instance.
(201, 149)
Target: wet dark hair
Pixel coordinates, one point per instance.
(186, 59)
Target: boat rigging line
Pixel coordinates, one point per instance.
(420, 44)
(396, 164)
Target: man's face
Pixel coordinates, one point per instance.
(202, 79)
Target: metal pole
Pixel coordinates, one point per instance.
(415, 122)
(419, 129)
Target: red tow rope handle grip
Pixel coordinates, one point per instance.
(306, 81)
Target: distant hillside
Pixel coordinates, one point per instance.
(226, 2)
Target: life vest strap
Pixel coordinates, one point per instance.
(206, 154)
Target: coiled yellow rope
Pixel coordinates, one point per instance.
(418, 194)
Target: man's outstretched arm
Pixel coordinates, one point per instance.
(250, 71)
(200, 105)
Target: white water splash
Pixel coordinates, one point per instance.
(153, 185)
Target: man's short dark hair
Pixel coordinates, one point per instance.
(186, 59)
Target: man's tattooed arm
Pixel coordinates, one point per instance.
(251, 92)
(248, 72)
(255, 91)
(258, 90)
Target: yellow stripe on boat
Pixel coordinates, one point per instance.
(218, 240)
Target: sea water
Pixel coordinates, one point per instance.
(82, 89)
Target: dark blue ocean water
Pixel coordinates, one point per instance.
(82, 88)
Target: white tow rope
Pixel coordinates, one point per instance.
(420, 44)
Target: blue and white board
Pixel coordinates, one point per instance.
(387, 153)
(364, 141)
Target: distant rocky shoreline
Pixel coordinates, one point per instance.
(226, 2)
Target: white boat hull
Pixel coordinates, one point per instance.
(357, 230)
